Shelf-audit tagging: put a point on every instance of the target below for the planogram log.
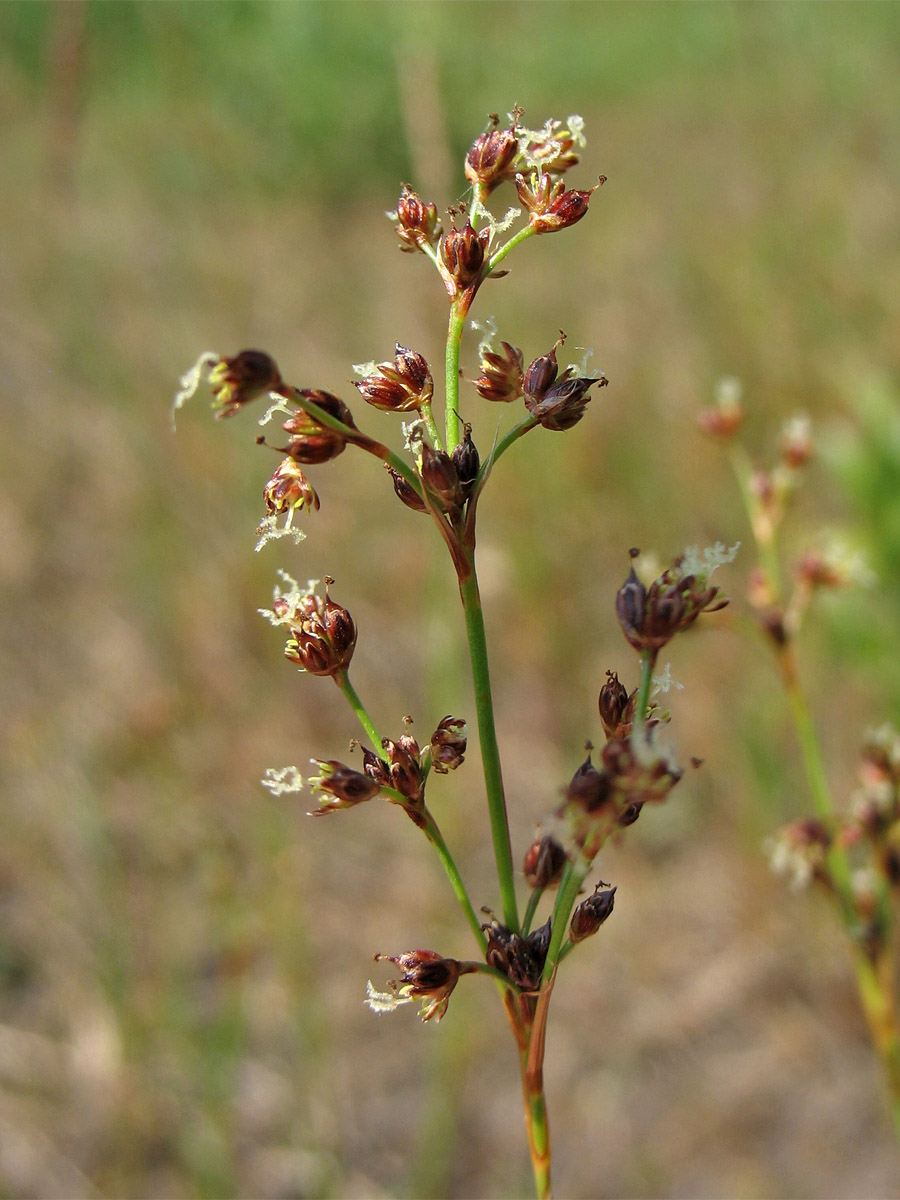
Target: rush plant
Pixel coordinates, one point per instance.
(850, 852)
(439, 476)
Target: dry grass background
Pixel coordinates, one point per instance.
(183, 958)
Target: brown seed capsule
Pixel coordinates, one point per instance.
(440, 474)
(650, 617)
(405, 491)
(466, 459)
(544, 862)
(591, 913)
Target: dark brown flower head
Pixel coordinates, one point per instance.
(616, 706)
(440, 475)
(418, 222)
(236, 381)
(520, 959)
(462, 254)
(289, 489)
(591, 913)
(324, 636)
(398, 386)
(428, 976)
(501, 374)
(343, 787)
(600, 800)
(448, 744)
(491, 156)
(651, 617)
(544, 862)
(405, 491)
(563, 405)
(466, 459)
(311, 443)
(404, 771)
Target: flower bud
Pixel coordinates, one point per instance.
(501, 374)
(236, 381)
(462, 253)
(398, 386)
(418, 222)
(591, 913)
(544, 862)
(289, 489)
(491, 156)
(345, 788)
(448, 745)
(541, 373)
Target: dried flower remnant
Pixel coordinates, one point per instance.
(651, 617)
(311, 442)
(448, 744)
(343, 787)
(502, 374)
(427, 976)
(289, 490)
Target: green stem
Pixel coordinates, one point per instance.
(531, 909)
(514, 241)
(490, 752)
(538, 1140)
(428, 417)
(454, 338)
(648, 659)
(517, 431)
(434, 835)
(342, 679)
(569, 886)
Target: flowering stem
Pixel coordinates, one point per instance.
(648, 660)
(454, 337)
(514, 241)
(517, 431)
(569, 886)
(342, 679)
(490, 752)
(531, 909)
(428, 417)
(434, 835)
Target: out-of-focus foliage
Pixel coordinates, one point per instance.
(183, 958)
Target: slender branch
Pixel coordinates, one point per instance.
(434, 835)
(454, 338)
(490, 752)
(342, 679)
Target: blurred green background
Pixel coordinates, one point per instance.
(182, 957)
